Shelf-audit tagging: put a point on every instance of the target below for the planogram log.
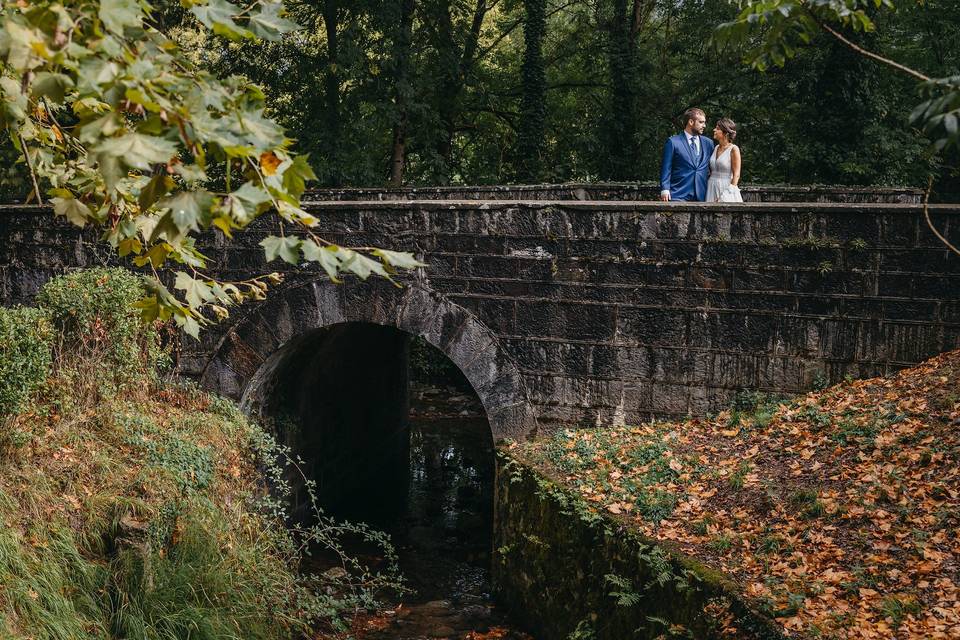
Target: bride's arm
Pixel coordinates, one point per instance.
(735, 164)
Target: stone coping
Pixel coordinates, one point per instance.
(631, 186)
(587, 205)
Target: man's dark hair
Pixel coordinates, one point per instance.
(690, 114)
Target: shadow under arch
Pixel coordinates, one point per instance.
(244, 362)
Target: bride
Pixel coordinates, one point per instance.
(724, 164)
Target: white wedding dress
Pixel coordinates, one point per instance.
(719, 188)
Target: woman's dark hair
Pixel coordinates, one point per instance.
(729, 128)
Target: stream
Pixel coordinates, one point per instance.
(443, 536)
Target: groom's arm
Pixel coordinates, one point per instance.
(666, 169)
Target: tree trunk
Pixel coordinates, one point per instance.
(533, 108)
(332, 94)
(456, 66)
(621, 129)
(402, 90)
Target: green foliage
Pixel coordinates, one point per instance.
(190, 465)
(585, 631)
(157, 525)
(773, 31)
(530, 129)
(93, 314)
(197, 587)
(897, 608)
(429, 364)
(133, 137)
(454, 86)
(25, 348)
(754, 408)
(622, 590)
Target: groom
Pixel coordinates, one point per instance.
(686, 160)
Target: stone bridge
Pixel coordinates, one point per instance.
(570, 312)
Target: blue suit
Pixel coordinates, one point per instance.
(681, 172)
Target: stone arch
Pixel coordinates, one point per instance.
(245, 357)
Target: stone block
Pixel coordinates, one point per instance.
(651, 327)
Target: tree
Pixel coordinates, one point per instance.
(534, 89)
(134, 138)
(403, 90)
(773, 31)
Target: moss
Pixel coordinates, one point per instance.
(555, 556)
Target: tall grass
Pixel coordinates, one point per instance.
(133, 507)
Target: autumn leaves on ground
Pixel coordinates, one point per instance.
(836, 512)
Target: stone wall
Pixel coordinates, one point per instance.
(625, 191)
(592, 312)
(556, 563)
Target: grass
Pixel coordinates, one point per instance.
(120, 522)
(134, 507)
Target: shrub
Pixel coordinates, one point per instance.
(94, 318)
(24, 355)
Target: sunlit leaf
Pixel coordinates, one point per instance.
(268, 23)
(137, 150)
(286, 248)
(73, 210)
(327, 257)
(117, 14)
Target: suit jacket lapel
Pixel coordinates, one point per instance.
(693, 158)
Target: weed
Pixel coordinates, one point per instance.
(820, 381)
(897, 608)
(24, 355)
(754, 408)
(721, 543)
(702, 527)
(807, 502)
(818, 419)
(792, 606)
(810, 242)
(656, 506)
(770, 544)
(584, 631)
(861, 578)
(738, 477)
(850, 430)
(623, 590)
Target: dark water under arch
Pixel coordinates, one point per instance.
(415, 460)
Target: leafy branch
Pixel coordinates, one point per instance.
(773, 30)
(125, 130)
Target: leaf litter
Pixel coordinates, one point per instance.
(836, 512)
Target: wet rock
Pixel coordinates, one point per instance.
(476, 612)
(442, 632)
(436, 605)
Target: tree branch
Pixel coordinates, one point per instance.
(873, 56)
(926, 214)
(33, 175)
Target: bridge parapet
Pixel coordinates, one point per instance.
(621, 191)
(594, 312)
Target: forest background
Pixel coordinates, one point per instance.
(434, 92)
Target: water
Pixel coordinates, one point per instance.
(443, 537)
